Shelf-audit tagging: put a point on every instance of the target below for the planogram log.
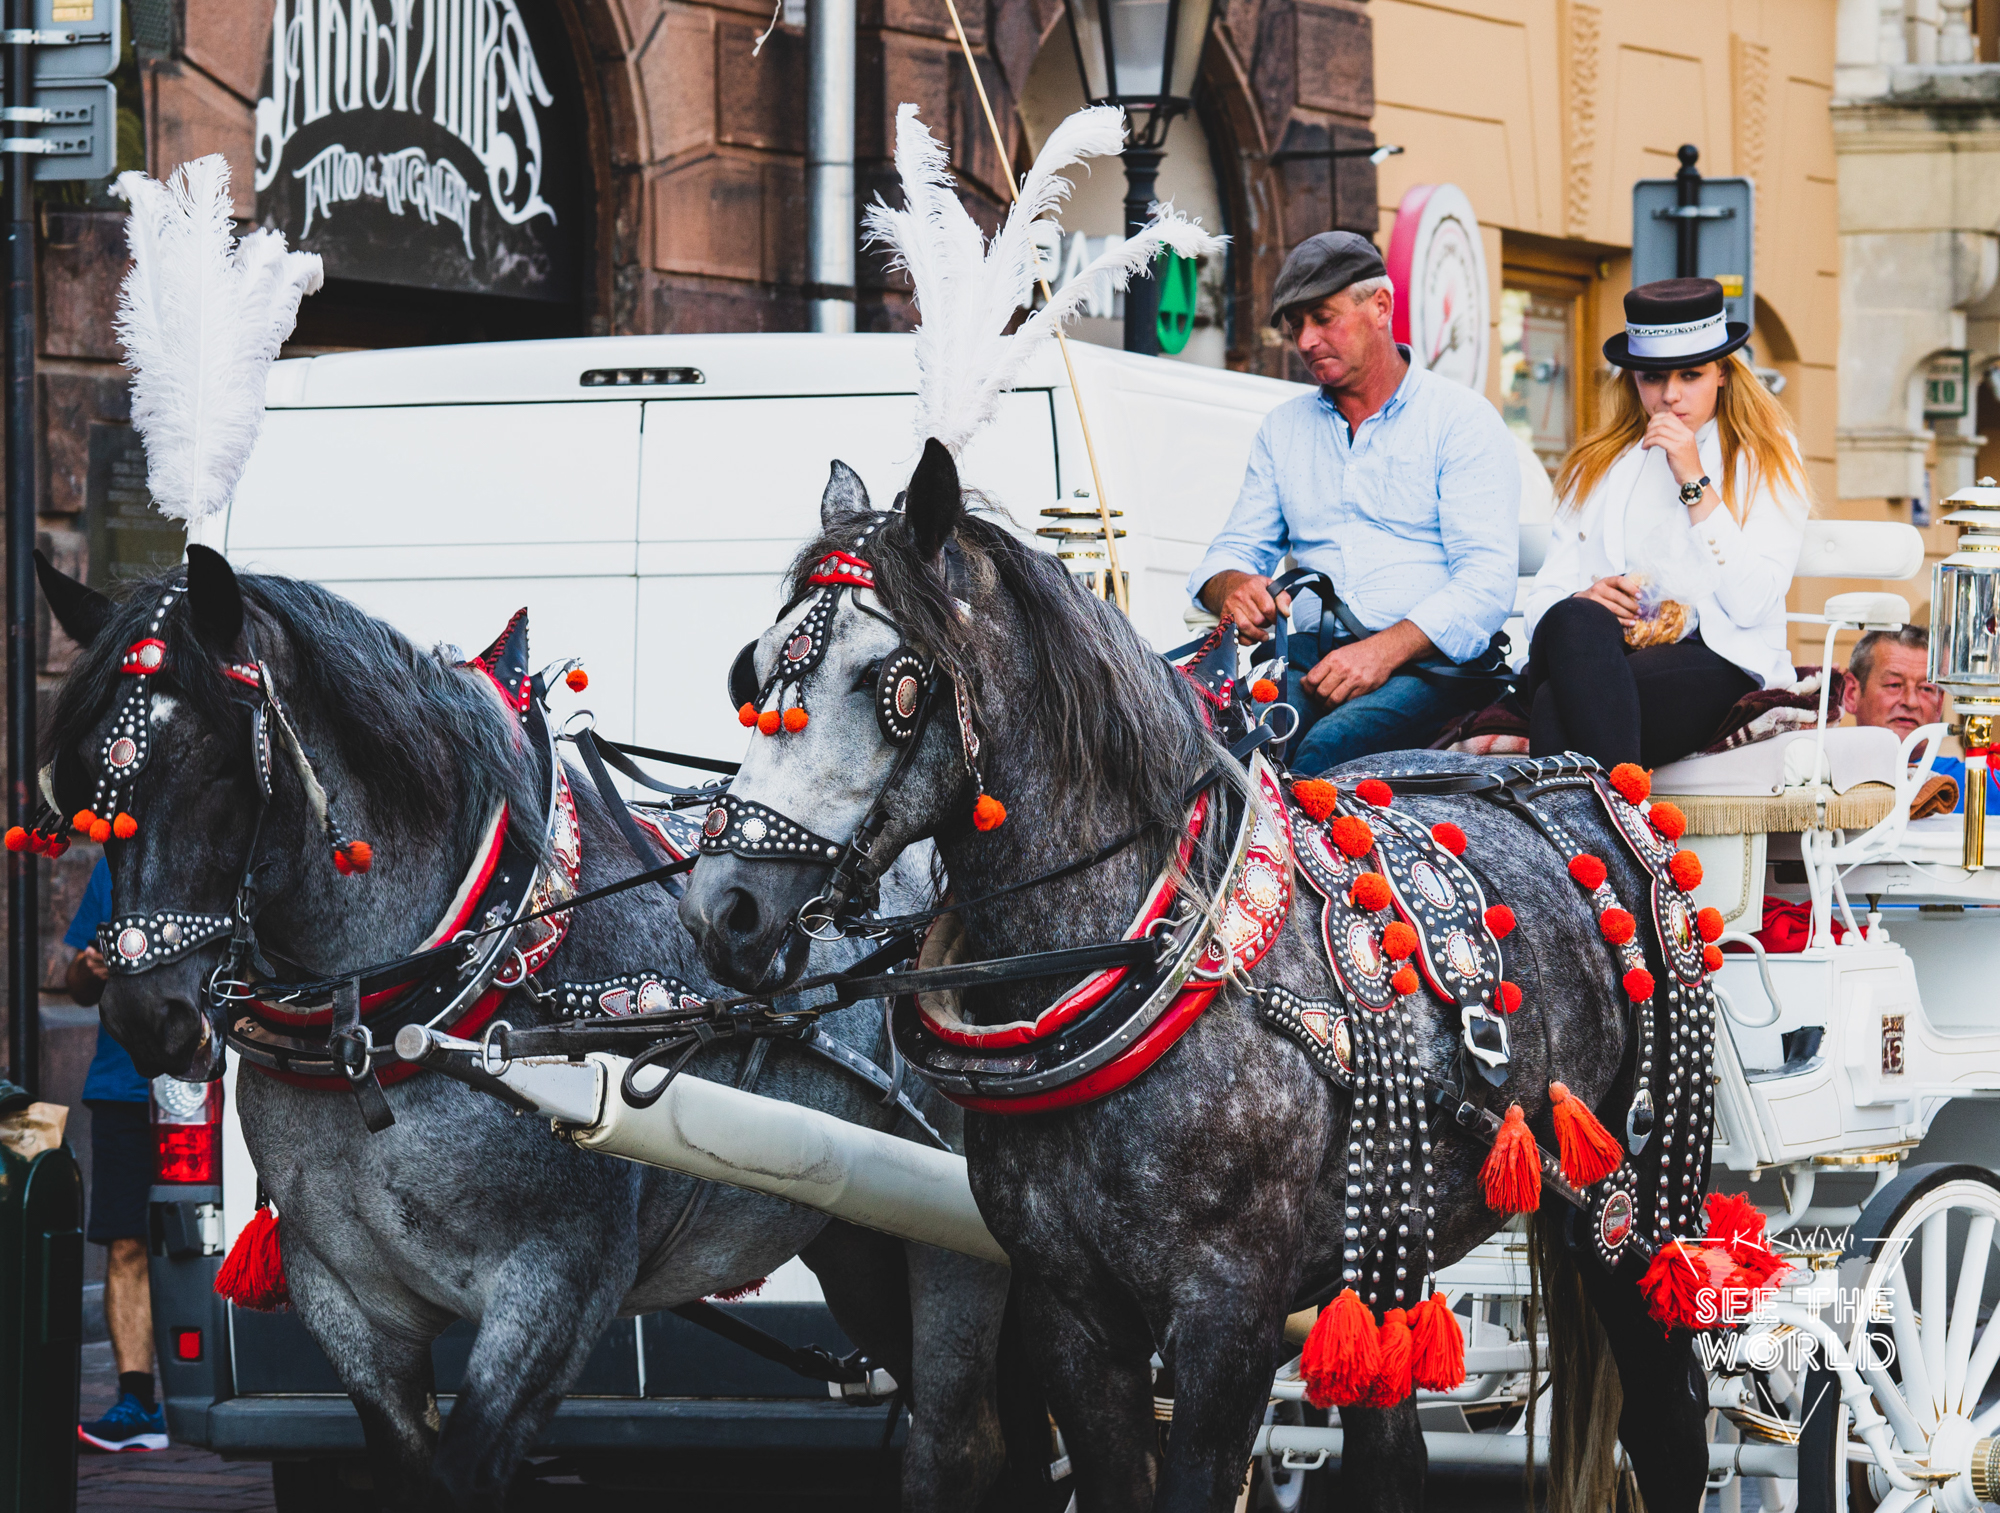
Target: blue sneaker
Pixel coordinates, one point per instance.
(128, 1426)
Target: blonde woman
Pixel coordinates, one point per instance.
(1678, 525)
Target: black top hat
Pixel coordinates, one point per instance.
(1674, 323)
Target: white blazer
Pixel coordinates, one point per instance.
(1734, 577)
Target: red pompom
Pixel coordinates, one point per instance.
(17, 838)
(1617, 925)
(1685, 869)
(38, 842)
(1264, 691)
(1668, 819)
(1589, 1152)
(1342, 1355)
(1632, 782)
(252, 1275)
(1398, 1351)
(747, 715)
(360, 855)
(57, 847)
(1711, 958)
(1352, 835)
(341, 864)
(577, 679)
(1500, 920)
(1316, 796)
(988, 813)
(1374, 791)
(1370, 891)
(1510, 997)
(1512, 1175)
(1399, 941)
(101, 831)
(1708, 924)
(83, 821)
(1439, 1362)
(770, 722)
(1405, 980)
(795, 719)
(1588, 872)
(1449, 836)
(1639, 984)
(124, 827)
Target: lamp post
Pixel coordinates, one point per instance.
(1965, 643)
(1142, 55)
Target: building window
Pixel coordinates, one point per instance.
(1538, 343)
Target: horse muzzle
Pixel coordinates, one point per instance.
(164, 1026)
(745, 917)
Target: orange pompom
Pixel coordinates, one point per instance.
(124, 827)
(57, 847)
(1405, 980)
(1439, 1362)
(770, 722)
(1711, 958)
(1617, 925)
(1588, 1151)
(1371, 891)
(1398, 1351)
(747, 715)
(1588, 871)
(100, 831)
(577, 679)
(1632, 781)
(38, 843)
(1374, 791)
(1512, 1174)
(1668, 819)
(1264, 691)
(83, 821)
(17, 838)
(1639, 984)
(1449, 836)
(1316, 796)
(1342, 1355)
(795, 719)
(1685, 869)
(1399, 941)
(1708, 924)
(988, 813)
(1510, 997)
(1352, 835)
(361, 855)
(340, 862)
(1500, 920)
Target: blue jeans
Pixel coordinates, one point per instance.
(1404, 714)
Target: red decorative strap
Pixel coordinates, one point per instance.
(244, 672)
(143, 658)
(843, 567)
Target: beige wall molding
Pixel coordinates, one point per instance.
(1582, 29)
(1750, 71)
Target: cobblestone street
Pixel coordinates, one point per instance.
(177, 1477)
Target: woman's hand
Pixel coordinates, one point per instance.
(1670, 434)
(1619, 595)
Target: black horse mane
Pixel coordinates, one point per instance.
(1094, 713)
(427, 743)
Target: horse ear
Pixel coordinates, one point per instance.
(845, 495)
(934, 506)
(215, 600)
(82, 612)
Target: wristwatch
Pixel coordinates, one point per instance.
(1691, 492)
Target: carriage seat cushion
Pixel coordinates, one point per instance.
(1855, 754)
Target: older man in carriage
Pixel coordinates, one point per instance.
(1403, 491)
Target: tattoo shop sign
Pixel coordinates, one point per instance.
(423, 142)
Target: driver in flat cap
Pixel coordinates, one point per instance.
(1403, 489)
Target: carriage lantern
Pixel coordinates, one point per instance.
(1965, 642)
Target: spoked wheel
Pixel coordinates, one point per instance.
(1924, 1284)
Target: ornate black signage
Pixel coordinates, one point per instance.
(424, 142)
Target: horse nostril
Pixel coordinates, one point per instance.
(742, 913)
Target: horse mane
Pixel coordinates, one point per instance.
(430, 747)
(1098, 694)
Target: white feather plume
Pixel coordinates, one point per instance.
(968, 291)
(201, 317)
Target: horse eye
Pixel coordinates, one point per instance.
(866, 679)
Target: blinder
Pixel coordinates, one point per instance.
(899, 694)
(743, 685)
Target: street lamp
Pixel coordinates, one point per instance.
(1142, 55)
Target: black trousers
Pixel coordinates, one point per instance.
(1587, 691)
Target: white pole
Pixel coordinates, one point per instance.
(830, 164)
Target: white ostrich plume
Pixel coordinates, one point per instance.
(968, 291)
(201, 316)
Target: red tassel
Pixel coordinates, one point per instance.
(1399, 940)
(1512, 1175)
(1668, 819)
(57, 847)
(1371, 891)
(1449, 836)
(1632, 781)
(1708, 924)
(1510, 997)
(38, 842)
(1405, 980)
(1316, 796)
(1639, 984)
(1392, 1382)
(1617, 925)
(738, 1294)
(1500, 920)
(1734, 1220)
(253, 1273)
(1439, 1362)
(1264, 691)
(1685, 869)
(1673, 1285)
(1589, 1152)
(341, 864)
(1342, 1355)
(1588, 872)
(1374, 791)
(1352, 835)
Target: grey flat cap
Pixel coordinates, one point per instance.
(1322, 265)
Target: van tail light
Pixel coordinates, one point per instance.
(187, 1131)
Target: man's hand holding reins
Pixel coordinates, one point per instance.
(1245, 598)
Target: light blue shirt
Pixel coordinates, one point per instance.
(1416, 517)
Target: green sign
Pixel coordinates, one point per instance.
(1175, 324)
(1947, 392)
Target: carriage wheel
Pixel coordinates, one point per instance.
(1274, 1487)
(1925, 1250)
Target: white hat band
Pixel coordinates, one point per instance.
(1678, 340)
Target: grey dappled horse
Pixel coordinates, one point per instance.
(1192, 1210)
(461, 1209)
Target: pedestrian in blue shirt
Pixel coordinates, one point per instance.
(121, 1178)
(1404, 489)
(1890, 686)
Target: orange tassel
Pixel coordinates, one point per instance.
(1439, 1362)
(1617, 925)
(747, 715)
(252, 1275)
(1588, 872)
(577, 679)
(1500, 920)
(1668, 819)
(1374, 791)
(988, 813)
(1512, 1175)
(1264, 691)
(1399, 941)
(1342, 1355)
(1588, 1151)
(1352, 835)
(1674, 1283)
(1711, 958)
(1708, 924)
(1449, 836)
(1398, 1350)
(100, 831)
(795, 719)
(770, 722)
(17, 838)
(1633, 782)
(1685, 869)
(1371, 891)
(1316, 796)
(83, 821)
(124, 827)
(1639, 984)
(1510, 997)
(38, 843)
(1405, 980)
